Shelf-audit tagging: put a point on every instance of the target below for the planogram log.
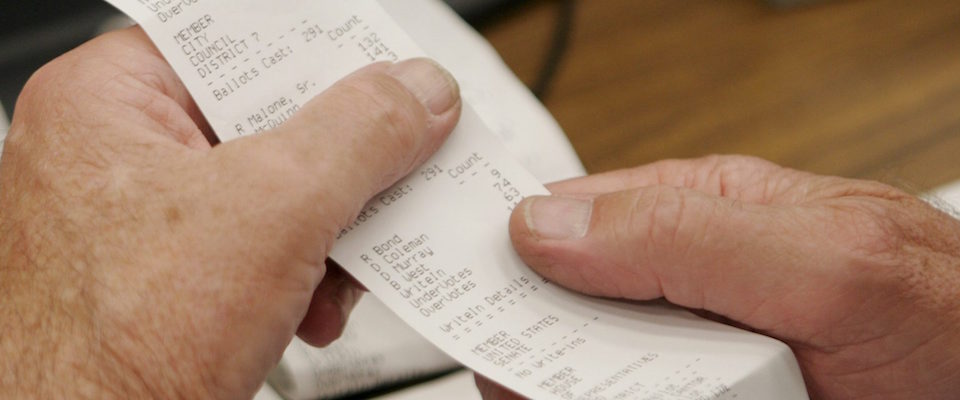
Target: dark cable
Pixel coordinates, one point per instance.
(563, 30)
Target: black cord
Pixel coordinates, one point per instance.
(563, 30)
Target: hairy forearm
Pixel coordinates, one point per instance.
(39, 356)
(49, 347)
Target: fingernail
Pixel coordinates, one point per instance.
(436, 89)
(558, 218)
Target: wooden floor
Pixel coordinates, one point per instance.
(866, 89)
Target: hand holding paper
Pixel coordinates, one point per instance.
(139, 262)
(856, 276)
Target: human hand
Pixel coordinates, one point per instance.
(860, 279)
(137, 261)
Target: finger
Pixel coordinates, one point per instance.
(490, 390)
(746, 178)
(696, 250)
(330, 308)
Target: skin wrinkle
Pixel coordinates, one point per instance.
(693, 223)
(777, 186)
(432, 121)
(634, 258)
(770, 190)
(163, 113)
(589, 275)
(868, 232)
(653, 245)
(401, 122)
(717, 173)
(148, 86)
(667, 216)
(532, 249)
(649, 247)
(660, 176)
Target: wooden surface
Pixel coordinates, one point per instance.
(866, 89)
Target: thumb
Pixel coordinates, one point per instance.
(354, 140)
(696, 250)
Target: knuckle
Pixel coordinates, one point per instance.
(79, 71)
(758, 180)
(656, 217)
(16, 140)
(389, 109)
(52, 98)
(383, 113)
(38, 97)
(667, 231)
(40, 82)
(876, 232)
